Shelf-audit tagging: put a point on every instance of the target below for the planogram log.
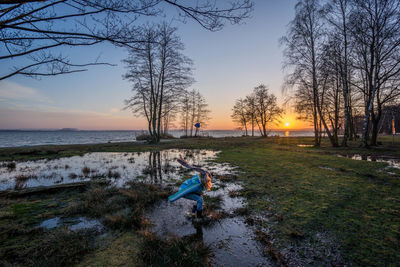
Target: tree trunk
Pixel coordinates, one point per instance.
(365, 130)
(375, 125)
(328, 132)
(252, 125)
(345, 78)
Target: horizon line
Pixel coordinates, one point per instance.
(77, 129)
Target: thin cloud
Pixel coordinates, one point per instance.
(114, 110)
(11, 92)
(58, 118)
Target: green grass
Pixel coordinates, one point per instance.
(26, 245)
(124, 250)
(301, 191)
(355, 201)
(173, 251)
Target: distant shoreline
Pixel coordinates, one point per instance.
(140, 130)
(24, 138)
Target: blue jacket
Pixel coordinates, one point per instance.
(190, 186)
(195, 180)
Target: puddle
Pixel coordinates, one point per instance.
(327, 168)
(74, 224)
(119, 168)
(392, 162)
(303, 145)
(231, 240)
(50, 223)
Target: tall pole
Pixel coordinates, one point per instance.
(393, 129)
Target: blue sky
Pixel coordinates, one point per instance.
(228, 64)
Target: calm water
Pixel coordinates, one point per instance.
(32, 138)
(119, 168)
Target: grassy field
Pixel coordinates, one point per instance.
(328, 209)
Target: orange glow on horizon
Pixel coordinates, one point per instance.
(288, 123)
(86, 120)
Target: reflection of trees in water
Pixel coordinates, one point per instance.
(154, 167)
(19, 184)
(193, 156)
(161, 163)
(20, 181)
(158, 162)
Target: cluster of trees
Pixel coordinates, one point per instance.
(37, 32)
(259, 109)
(344, 62)
(161, 74)
(193, 109)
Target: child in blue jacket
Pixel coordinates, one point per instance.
(193, 188)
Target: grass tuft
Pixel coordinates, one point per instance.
(173, 251)
(86, 171)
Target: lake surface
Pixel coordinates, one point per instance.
(33, 138)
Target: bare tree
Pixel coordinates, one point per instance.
(251, 111)
(267, 110)
(376, 35)
(357, 53)
(303, 42)
(169, 114)
(194, 109)
(338, 15)
(331, 87)
(202, 112)
(158, 70)
(36, 30)
(185, 107)
(240, 115)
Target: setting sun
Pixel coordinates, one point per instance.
(287, 124)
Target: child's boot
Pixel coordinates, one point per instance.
(199, 214)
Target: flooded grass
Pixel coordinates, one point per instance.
(224, 231)
(118, 208)
(10, 166)
(117, 166)
(39, 229)
(73, 224)
(86, 171)
(313, 207)
(26, 244)
(392, 162)
(113, 174)
(304, 145)
(213, 202)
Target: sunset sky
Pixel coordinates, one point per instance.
(228, 65)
